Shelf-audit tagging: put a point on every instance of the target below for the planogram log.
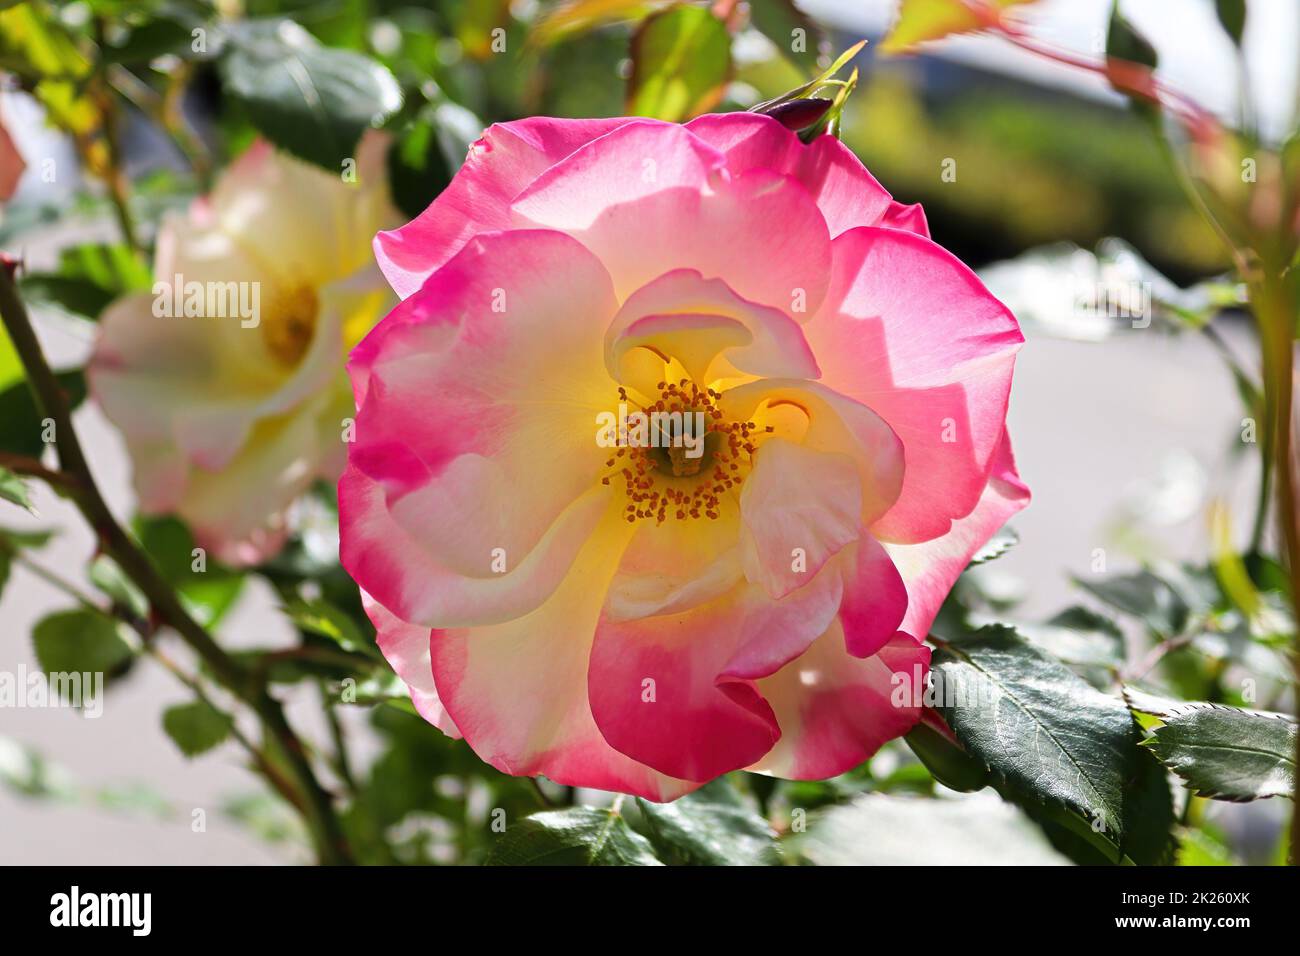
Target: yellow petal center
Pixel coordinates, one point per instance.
(668, 478)
(290, 323)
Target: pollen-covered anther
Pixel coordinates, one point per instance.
(662, 479)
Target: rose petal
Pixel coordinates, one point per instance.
(518, 690)
(911, 332)
(835, 711)
(649, 198)
(502, 162)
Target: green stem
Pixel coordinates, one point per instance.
(1276, 304)
(342, 762)
(118, 189)
(60, 583)
(316, 803)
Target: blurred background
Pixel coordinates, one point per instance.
(1125, 435)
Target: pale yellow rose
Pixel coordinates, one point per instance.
(233, 398)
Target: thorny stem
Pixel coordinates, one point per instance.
(115, 176)
(314, 802)
(31, 468)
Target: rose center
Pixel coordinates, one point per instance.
(693, 459)
(288, 327)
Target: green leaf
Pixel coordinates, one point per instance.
(582, 836)
(21, 425)
(681, 63)
(1196, 847)
(1232, 15)
(14, 539)
(1143, 595)
(207, 594)
(877, 830)
(791, 30)
(1222, 752)
(107, 575)
(11, 541)
(88, 278)
(11, 366)
(427, 152)
(567, 20)
(196, 727)
(1124, 41)
(75, 296)
(80, 641)
(37, 46)
(1001, 542)
(321, 617)
(947, 762)
(14, 489)
(1130, 59)
(710, 827)
(311, 100)
(1052, 740)
(921, 21)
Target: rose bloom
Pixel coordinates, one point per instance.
(229, 415)
(632, 618)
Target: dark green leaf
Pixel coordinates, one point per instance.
(1124, 42)
(196, 727)
(681, 62)
(947, 761)
(1130, 58)
(311, 100)
(1222, 752)
(1143, 595)
(710, 827)
(421, 161)
(88, 278)
(791, 30)
(79, 642)
(1050, 739)
(21, 426)
(1232, 14)
(74, 295)
(582, 836)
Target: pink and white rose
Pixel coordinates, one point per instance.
(629, 618)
